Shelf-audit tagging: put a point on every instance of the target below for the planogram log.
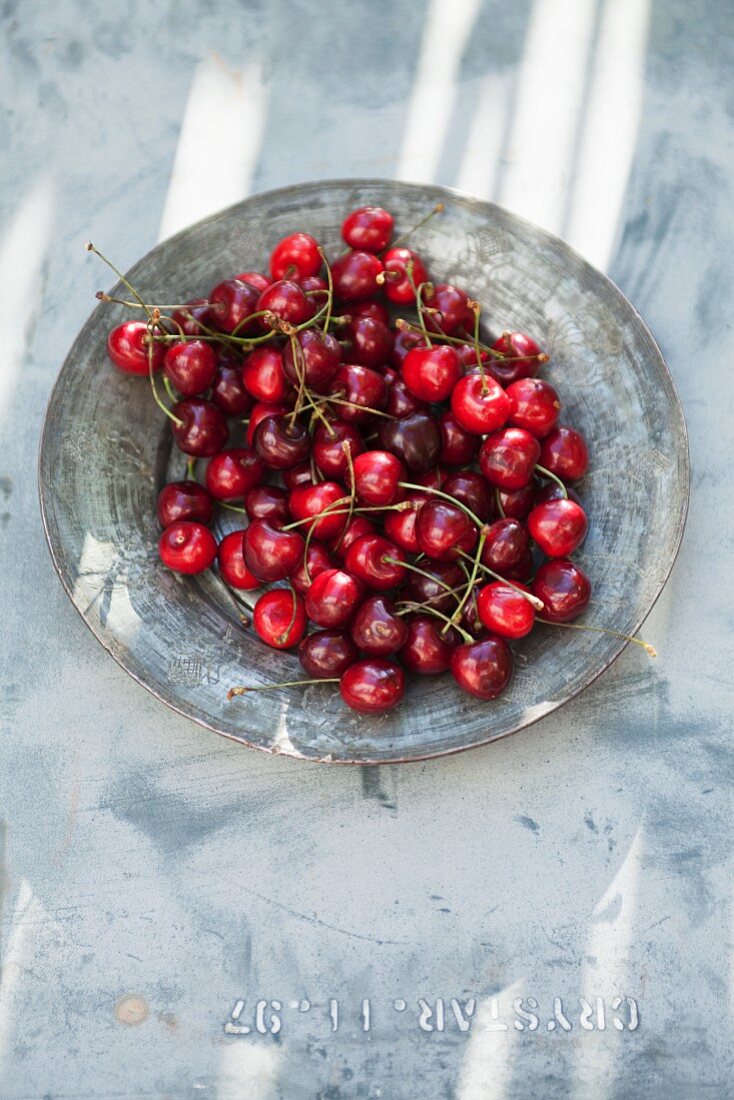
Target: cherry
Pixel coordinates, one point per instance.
(433, 587)
(355, 529)
(280, 443)
(508, 458)
(564, 589)
(400, 526)
(468, 356)
(127, 347)
(369, 229)
(259, 412)
(453, 310)
(333, 598)
(202, 429)
(471, 489)
(534, 406)
(361, 388)
(184, 500)
(377, 475)
(405, 341)
(372, 560)
(327, 653)
(480, 404)
(397, 284)
(378, 311)
(458, 446)
(318, 560)
(302, 474)
(310, 500)
(522, 351)
(187, 318)
(558, 527)
(328, 448)
(433, 479)
(443, 530)
(228, 391)
(400, 401)
(483, 668)
(415, 439)
(370, 341)
(565, 454)
(431, 372)
(232, 567)
(506, 547)
(272, 554)
(279, 618)
(190, 366)
(232, 302)
(426, 650)
(372, 685)
(299, 251)
(519, 503)
(287, 301)
(254, 278)
(377, 629)
(505, 611)
(313, 282)
(264, 376)
(232, 473)
(355, 276)
(551, 490)
(187, 547)
(317, 359)
(268, 502)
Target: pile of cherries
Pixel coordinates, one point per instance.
(403, 484)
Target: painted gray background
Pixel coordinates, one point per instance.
(144, 858)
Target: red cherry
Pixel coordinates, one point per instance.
(356, 529)
(443, 530)
(415, 440)
(433, 479)
(359, 390)
(370, 342)
(564, 589)
(280, 443)
(551, 490)
(228, 391)
(299, 251)
(254, 278)
(355, 276)
(405, 341)
(534, 406)
(232, 473)
(378, 311)
(468, 356)
(187, 547)
(127, 347)
(506, 547)
(333, 597)
(202, 431)
(471, 489)
(480, 406)
(483, 668)
(232, 567)
(188, 317)
(458, 446)
(521, 351)
(268, 502)
(559, 527)
(426, 650)
(505, 611)
(453, 310)
(328, 448)
(279, 618)
(376, 478)
(317, 359)
(377, 629)
(311, 500)
(258, 414)
(373, 685)
(400, 526)
(508, 458)
(372, 560)
(287, 301)
(519, 503)
(327, 653)
(431, 373)
(565, 454)
(263, 375)
(442, 575)
(184, 500)
(272, 554)
(318, 562)
(190, 366)
(232, 302)
(299, 475)
(369, 229)
(400, 401)
(397, 284)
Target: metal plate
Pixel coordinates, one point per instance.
(105, 453)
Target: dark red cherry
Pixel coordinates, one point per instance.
(506, 546)
(433, 479)
(231, 303)
(299, 475)
(376, 561)
(279, 618)
(397, 284)
(280, 443)
(327, 653)
(444, 530)
(254, 278)
(357, 528)
(400, 401)
(184, 500)
(564, 589)
(427, 650)
(311, 500)
(369, 229)
(373, 685)
(264, 376)
(232, 473)
(231, 560)
(377, 475)
(468, 356)
(405, 340)
(190, 366)
(228, 390)
(551, 490)
(370, 342)
(471, 489)
(378, 311)
(187, 547)
(333, 597)
(268, 502)
(295, 257)
(202, 431)
(272, 554)
(312, 283)
(519, 503)
(522, 353)
(127, 347)
(190, 317)
(317, 359)
(534, 406)
(355, 276)
(415, 439)
(483, 668)
(318, 560)
(377, 629)
(442, 577)
(480, 404)
(287, 301)
(505, 611)
(458, 446)
(328, 448)
(359, 390)
(400, 526)
(508, 458)
(565, 454)
(431, 372)
(559, 527)
(452, 306)
(259, 412)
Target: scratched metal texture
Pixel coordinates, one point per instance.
(152, 874)
(107, 451)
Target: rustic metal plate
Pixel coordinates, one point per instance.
(106, 451)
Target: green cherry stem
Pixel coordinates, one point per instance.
(233, 508)
(546, 473)
(649, 649)
(438, 209)
(191, 468)
(416, 569)
(330, 284)
(498, 501)
(440, 615)
(444, 496)
(288, 684)
(472, 579)
(91, 248)
(537, 604)
(158, 401)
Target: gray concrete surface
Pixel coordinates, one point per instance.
(153, 875)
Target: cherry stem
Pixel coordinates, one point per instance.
(333, 510)
(362, 408)
(90, 248)
(445, 496)
(449, 623)
(347, 449)
(649, 649)
(546, 473)
(169, 388)
(498, 500)
(472, 580)
(416, 569)
(438, 209)
(191, 468)
(283, 638)
(401, 323)
(288, 684)
(476, 308)
(233, 508)
(158, 401)
(330, 283)
(537, 604)
(417, 293)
